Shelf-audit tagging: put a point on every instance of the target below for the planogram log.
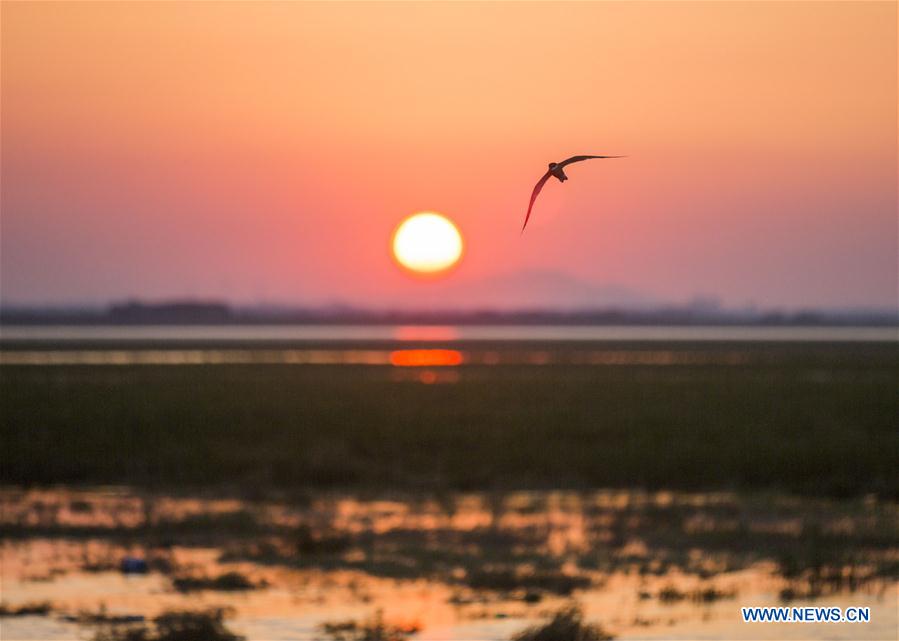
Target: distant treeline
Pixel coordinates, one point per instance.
(218, 313)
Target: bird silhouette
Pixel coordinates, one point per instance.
(557, 170)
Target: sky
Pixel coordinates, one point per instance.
(264, 152)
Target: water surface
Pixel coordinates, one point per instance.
(447, 333)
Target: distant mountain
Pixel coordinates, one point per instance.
(525, 290)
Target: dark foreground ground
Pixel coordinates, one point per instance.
(805, 418)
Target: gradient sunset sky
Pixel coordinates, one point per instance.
(265, 152)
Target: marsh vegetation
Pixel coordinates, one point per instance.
(810, 418)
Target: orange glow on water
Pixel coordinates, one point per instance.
(425, 358)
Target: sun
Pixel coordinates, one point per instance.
(427, 243)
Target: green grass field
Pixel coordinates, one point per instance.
(807, 418)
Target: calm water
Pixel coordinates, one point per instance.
(409, 345)
(361, 333)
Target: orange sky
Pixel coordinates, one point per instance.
(266, 151)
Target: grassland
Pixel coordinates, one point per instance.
(806, 418)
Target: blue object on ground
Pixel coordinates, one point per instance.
(133, 565)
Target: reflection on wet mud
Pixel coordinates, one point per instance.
(456, 566)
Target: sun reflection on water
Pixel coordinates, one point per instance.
(425, 358)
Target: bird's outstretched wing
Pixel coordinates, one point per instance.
(580, 158)
(534, 195)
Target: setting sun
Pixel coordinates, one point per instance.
(427, 243)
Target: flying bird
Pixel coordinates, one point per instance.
(556, 169)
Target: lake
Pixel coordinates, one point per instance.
(357, 333)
